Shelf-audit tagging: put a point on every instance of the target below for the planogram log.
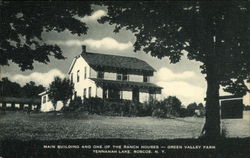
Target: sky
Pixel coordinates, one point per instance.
(183, 79)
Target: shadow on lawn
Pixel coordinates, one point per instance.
(228, 148)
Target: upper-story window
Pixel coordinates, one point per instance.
(78, 75)
(100, 74)
(146, 78)
(119, 76)
(85, 72)
(125, 77)
(122, 76)
(71, 77)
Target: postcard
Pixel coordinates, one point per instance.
(124, 79)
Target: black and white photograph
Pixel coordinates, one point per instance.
(124, 79)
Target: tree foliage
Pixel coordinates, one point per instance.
(13, 89)
(22, 25)
(210, 32)
(173, 104)
(60, 90)
(217, 34)
(31, 90)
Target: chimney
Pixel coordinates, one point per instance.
(83, 49)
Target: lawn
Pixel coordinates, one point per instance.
(47, 126)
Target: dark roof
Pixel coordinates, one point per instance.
(125, 84)
(20, 100)
(115, 61)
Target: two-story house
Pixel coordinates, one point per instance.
(109, 77)
(112, 77)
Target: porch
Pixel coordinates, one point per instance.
(127, 90)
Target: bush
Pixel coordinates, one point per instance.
(113, 108)
(76, 103)
(93, 105)
(73, 105)
(159, 113)
(166, 108)
(145, 109)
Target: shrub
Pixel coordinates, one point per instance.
(159, 113)
(75, 103)
(145, 109)
(165, 108)
(93, 105)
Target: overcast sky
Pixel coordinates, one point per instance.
(183, 79)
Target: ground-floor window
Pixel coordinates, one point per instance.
(89, 92)
(44, 99)
(113, 93)
(152, 95)
(17, 105)
(105, 93)
(84, 92)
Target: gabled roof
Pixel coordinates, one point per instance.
(115, 61)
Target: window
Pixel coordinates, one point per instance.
(114, 93)
(48, 99)
(78, 75)
(44, 99)
(145, 78)
(152, 95)
(85, 72)
(71, 77)
(84, 92)
(105, 93)
(100, 74)
(125, 77)
(122, 77)
(119, 77)
(89, 92)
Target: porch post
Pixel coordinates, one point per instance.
(12, 106)
(21, 106)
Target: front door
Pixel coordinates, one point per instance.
(135, 95)
(114, 93)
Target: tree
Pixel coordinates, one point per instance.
(22, 25)
(31, 90)
(191, 108)
(213, 33)
(13, 89)
(173, 105)
(9, 88)
(66, 90)
(60, 90)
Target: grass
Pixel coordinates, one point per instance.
(47, 126)
(27, 130)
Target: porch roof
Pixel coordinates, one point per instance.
(125, 84)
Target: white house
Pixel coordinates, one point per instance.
(46, 104)
(110, 77)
